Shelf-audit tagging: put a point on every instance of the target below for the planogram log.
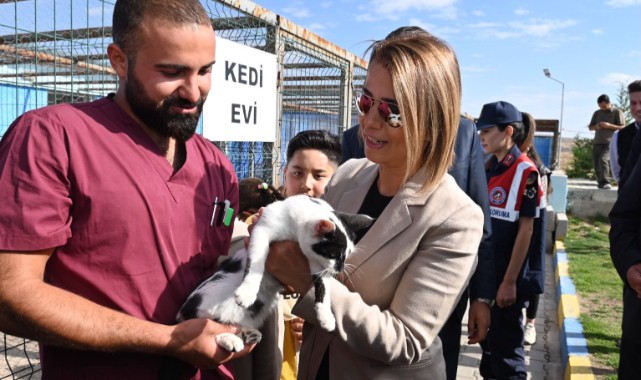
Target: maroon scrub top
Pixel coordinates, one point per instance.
(131, 234)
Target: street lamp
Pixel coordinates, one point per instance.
(547, 74)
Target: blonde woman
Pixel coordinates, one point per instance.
(408, 272)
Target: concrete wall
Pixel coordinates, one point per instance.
(586, 200)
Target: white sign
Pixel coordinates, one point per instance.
(241, 105)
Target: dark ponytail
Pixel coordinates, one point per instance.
(529, 127)
(254, 194)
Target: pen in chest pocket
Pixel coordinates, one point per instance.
(222, 213)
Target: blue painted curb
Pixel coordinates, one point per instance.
(573, 343)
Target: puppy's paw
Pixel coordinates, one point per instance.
(328, 325)
(245, 297)
(325, 317)
(230, 342)
(251, 336)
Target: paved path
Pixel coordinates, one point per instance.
(544, 357)
(19, 358)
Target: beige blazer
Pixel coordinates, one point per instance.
(406, 275)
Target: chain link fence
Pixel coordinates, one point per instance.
(54, 51)
(315, 86)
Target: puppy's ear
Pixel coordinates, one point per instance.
(323, 227)
(355, 224)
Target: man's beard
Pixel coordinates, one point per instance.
(158, 116)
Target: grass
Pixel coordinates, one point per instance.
(599, 290)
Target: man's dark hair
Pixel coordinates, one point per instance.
(603, 99)
(320, 140)
(634, 86)
(129, 15)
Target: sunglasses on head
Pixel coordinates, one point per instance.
(388, 110)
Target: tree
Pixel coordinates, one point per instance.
(581, 166)
(623, 102)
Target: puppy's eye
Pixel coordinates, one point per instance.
(329, 235)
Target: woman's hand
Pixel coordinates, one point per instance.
(287, 263)
(506, 295)
(297, 328)
(478, 322)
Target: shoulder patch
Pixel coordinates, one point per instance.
(497, 196)
(508, 160)
(531, 179)
(530, 192)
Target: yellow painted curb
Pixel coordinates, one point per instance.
(568, 307)
(576, 367)
(579, 368)
(561, 271)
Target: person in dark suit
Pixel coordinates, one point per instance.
(352, 145)
(625, 233)
(468, 171)
(626, 136)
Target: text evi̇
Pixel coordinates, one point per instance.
(243, 74)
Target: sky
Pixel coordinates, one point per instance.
(591, 46)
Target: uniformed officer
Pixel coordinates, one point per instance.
(515, 198)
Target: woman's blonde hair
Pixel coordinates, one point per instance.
(427, 86)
